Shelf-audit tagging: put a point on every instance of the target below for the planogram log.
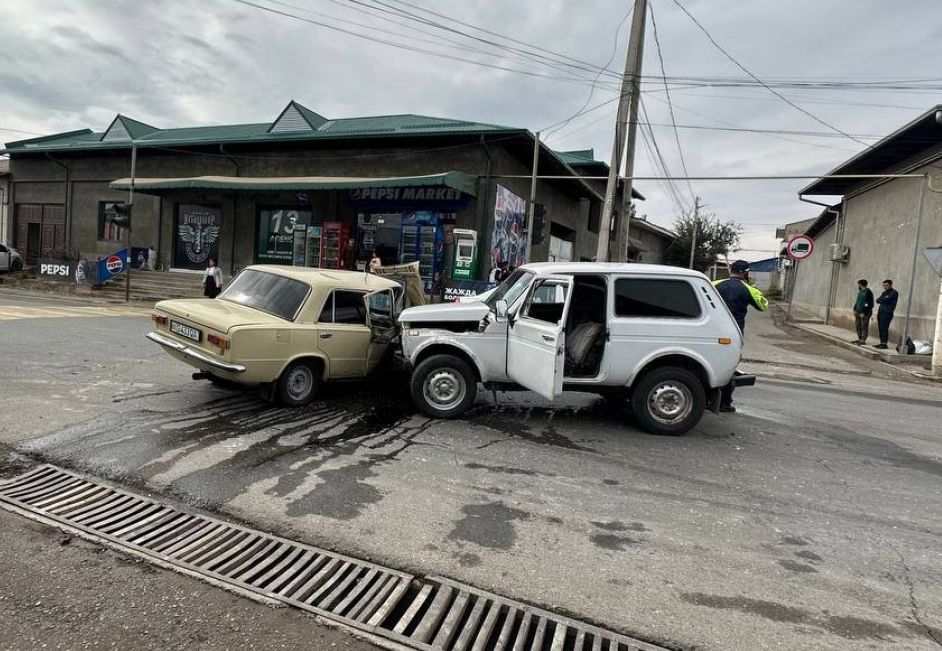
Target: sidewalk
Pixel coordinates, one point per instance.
(916, 365)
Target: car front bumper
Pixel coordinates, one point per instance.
(198, 357)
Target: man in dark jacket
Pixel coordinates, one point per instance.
(887, 303)
(863, 311)
(738, 295)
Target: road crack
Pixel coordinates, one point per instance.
(907, 575)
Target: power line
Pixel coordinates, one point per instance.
(759, 81)
(667, 94)
(611, 58)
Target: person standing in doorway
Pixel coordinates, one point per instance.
(738, 295)
(212, 280)
(863, 311)
(887, 302)
(348, 255)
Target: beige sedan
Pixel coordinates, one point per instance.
(284, 328)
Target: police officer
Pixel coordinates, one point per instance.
(738, 295)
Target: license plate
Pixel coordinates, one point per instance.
(185, 331)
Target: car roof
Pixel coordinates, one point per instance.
(548, 268)
(329, 278)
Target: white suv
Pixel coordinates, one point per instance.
(660, 336)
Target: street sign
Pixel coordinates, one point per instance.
(800, 247)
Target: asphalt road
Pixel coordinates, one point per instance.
(810, 519)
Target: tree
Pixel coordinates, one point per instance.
(714, 238)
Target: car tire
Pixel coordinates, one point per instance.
(443, 386)
(668, 400)
(16, 265)
(298, 383)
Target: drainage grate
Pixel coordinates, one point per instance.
(443, 614)
(342, 588)
(433, 613)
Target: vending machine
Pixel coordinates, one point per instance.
(314, 250)
(335, 236)
(465, 265)
(421, 241)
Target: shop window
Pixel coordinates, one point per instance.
(108, 231)
(650, 297)
(559, 250)
(275, 239)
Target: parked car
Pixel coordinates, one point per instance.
(659, 336)
(284, 328)
(10, 259)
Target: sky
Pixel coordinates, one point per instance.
(758, 88)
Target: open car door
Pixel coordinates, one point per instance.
(381, 311)
(536, 338)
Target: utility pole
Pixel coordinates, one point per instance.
(625, 128)
(127, 271)
(696, 226)
(531, 209)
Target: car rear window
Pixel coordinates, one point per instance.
(655, 297)
(267, 292)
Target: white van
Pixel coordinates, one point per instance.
(660, 336)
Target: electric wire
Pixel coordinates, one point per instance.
(759, 81)
(670, 106)
(611, 57)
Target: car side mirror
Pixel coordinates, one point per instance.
(501, 308)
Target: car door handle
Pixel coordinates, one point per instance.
(549, 338)
(326, 335)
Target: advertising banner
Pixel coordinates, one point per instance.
(58, 270)
(196, 236)
(457, 289)
(110, 266)
(274, 243)
(508, 239)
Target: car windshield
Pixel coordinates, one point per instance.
(511, 289)
(267, 292)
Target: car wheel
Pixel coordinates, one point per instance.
(668, 401)
(443, 386)
(298, 384)
(16, 265)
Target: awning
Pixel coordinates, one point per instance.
(456, 180)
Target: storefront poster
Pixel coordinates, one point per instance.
(508, 239)
(275, 238)
(196, 237)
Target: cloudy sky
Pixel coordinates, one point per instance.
(836, 76)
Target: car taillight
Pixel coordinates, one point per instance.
(158, 318)
(216, 340)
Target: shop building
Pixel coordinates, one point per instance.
(299, 189)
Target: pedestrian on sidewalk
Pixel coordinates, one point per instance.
(863, 311)
(738, 295)
(887, 303)
(212, 280)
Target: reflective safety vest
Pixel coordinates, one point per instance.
(738, 296)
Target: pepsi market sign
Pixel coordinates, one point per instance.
(427, 197)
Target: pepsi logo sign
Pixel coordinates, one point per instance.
(114, 264)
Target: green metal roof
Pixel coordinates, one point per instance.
(457, 180)
(317, 128)
(580, 157)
